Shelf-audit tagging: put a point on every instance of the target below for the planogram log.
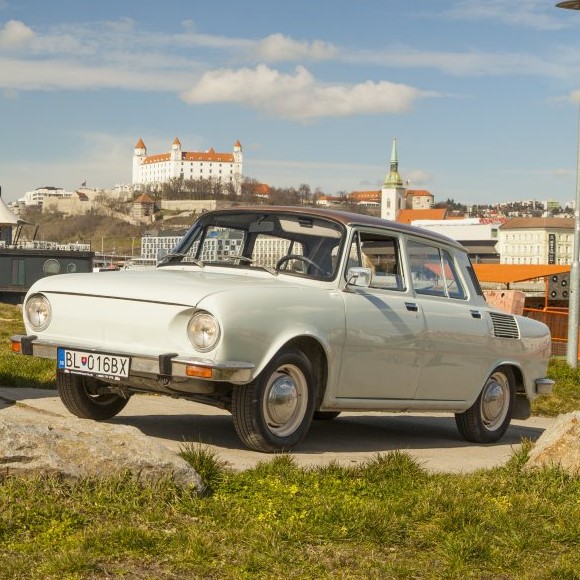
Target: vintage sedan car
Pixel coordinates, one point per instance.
(285, 314)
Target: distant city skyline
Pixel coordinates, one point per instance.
(481, 96)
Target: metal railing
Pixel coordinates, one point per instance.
(557, 321)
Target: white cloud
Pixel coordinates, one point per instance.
(525, 13)
(62, 74)
(300, 96)
(102, 160)
(278, 48)
(15, 34)
(470, 63)
(418, 177)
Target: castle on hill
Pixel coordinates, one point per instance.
(226, 168)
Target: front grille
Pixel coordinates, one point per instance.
(504, 325)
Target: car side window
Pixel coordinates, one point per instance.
(433, 271)
(382, 255)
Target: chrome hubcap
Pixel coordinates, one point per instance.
(285, 400)
(495, 401)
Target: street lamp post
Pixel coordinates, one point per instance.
(572, 348)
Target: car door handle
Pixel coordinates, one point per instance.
(475, 313)
(411, 306)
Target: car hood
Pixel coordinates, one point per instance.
(161, 285)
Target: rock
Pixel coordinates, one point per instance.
(559, 445)
(34, 442)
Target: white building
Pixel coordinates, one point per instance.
(419, 199)
(226, 168)
(474, 229)
(42, 194)
(218, 247)
(479, 235)
(536, 241)
(152, 247)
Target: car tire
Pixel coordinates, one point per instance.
(326, 415)
(79, 395)
(488, 418)
(274, 412)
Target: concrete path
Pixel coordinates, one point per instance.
(351, 438)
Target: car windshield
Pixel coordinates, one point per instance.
(296, 244)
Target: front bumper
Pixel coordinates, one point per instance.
(168, 365)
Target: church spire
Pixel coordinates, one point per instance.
(393, 179)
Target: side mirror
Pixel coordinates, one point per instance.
(360, 277)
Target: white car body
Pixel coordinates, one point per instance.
(365, 314)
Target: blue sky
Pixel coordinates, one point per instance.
(482, 95)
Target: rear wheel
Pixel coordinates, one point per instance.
(274, 412)
(87, 398)
(488, 418)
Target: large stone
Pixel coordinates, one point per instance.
(559, 445)
(35, 442)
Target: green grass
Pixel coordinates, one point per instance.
(385, 519)
(565, 397)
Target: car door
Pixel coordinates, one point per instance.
(456, 337)
(384, 325)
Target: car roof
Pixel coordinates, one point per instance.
(343, 217)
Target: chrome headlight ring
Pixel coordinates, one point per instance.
(203, 331)
(38, 312)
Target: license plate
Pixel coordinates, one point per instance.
(94, 364)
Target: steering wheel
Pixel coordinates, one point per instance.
(289, 257)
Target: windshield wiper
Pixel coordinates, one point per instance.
(250, 261)
(191, 260)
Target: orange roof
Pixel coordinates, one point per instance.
(366, 195)
(144, 198)
(506, 273)
(238, 144)
(211, 155)
(261, 189)
(140, 144)
(418, 192)
(406, 216)
(157, 158)
(539, 223)
(176, 141)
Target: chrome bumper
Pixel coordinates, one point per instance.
(164, 364)
(544, 386)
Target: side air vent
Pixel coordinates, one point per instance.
(504, 325)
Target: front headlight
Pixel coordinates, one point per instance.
(203, 331)
(38, 312)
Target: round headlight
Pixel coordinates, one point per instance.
(203, 331)
(38, 312)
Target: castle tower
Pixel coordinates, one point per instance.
(238, 152)
(176, 150)
(139, 154)
(393, 190)
(238, 161)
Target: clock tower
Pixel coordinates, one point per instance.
(393, 190)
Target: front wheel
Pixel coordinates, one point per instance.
(85, 397)
(274, 412)
(488, 418)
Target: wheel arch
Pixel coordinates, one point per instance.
(518, 377)
(517, 374)
(315, 352)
